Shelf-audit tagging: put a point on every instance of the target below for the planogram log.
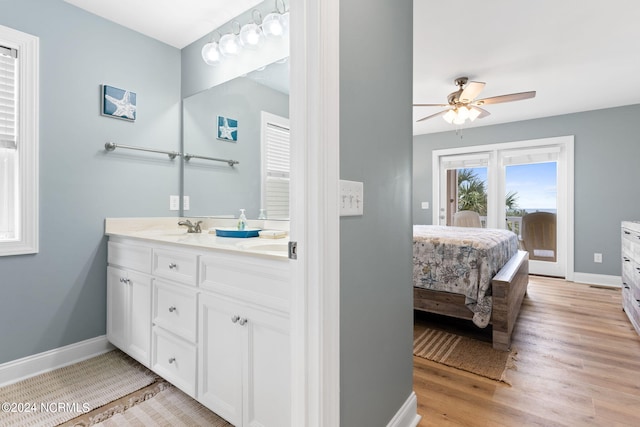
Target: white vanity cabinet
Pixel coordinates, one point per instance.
(214, 323)
(244, 362)
(129, 300)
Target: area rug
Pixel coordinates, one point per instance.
(464, 353)
(171, 408)
(55, 397)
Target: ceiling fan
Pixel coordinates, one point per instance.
(463, 105)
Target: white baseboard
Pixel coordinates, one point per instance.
(407, 415)
(597, 279)
(16, 370)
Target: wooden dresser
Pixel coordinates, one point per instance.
(631, 271)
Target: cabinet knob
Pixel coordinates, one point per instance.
(172, 265)
(171, 360)
(243, 321)
(235, 319)
(172, 309)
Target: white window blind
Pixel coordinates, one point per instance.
(19, 136)
(8, 152)
(276, 166)
(8, 97)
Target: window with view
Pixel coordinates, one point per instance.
(18, 142)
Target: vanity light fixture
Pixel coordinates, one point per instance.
(228, 44)
(250, 36)
(210, 53)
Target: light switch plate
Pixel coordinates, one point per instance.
(351, 198)
(185, 203)
(425, 205)
(174, 203)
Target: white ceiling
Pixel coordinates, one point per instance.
(176, 23)
(578, 55)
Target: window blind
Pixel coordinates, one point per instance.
(8, 97)
(277, 155)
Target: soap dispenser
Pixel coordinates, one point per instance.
(242, 220)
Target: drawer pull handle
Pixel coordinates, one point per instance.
(627, 232)
(171, 360)
(172, 265)
(124, 280)
(243, 321)
(626, 259)
(172, 309)
(235, 319)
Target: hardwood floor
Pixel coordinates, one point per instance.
(578, 364)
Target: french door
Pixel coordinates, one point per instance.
(525, 186)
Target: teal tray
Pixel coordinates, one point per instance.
(234, 232)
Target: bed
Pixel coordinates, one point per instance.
(470, 273)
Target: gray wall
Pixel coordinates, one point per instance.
(58, 296)
(375, 249)
(607, 149)
(215, 188)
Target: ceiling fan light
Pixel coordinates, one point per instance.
(463, 113)
(473, 113)
(458, 120)
(211, 54)
(449, 116)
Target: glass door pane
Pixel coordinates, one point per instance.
(531, 204)
(466, 191)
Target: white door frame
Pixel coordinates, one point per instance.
(565, 179)
(315, 300)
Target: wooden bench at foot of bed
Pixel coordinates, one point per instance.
(508, 286)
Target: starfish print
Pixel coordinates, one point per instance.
(124, 107)
(226, 131)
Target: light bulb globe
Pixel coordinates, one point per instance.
(272, 25)
(211, 54)
(251, 36)
(228, 45)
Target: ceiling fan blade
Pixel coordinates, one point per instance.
(471, 91)
(430, 105)
(483, 112)
(505, 98)
(433, 115)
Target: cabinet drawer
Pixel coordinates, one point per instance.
(631, 244)
(175, 265)
(129, 256)
(251, 280)
(175, 360)
(174, 309)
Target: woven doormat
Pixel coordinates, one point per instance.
(63, 394)
(464, 353)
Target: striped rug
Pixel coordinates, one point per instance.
(60, 395)
(463, 353)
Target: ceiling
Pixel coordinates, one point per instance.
(577, 55)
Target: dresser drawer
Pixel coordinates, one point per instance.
(174, 309)
(175, 360)
(631, 244)
(133, 257)
(175, 265)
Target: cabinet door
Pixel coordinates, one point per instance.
(267, 391)
(139, 345)
(220, 358)
(117, 307)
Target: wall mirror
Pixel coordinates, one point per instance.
(215, 188)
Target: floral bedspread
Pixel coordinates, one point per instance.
(462, 260)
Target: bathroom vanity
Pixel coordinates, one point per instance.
(209, 314)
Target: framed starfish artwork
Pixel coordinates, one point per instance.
(227, 129)
(118, 103)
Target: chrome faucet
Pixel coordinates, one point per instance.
(191, 228)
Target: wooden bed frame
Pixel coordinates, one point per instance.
(509, 287)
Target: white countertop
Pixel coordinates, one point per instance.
(166, 230)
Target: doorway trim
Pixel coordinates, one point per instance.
(567, 145)
(315, 219)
